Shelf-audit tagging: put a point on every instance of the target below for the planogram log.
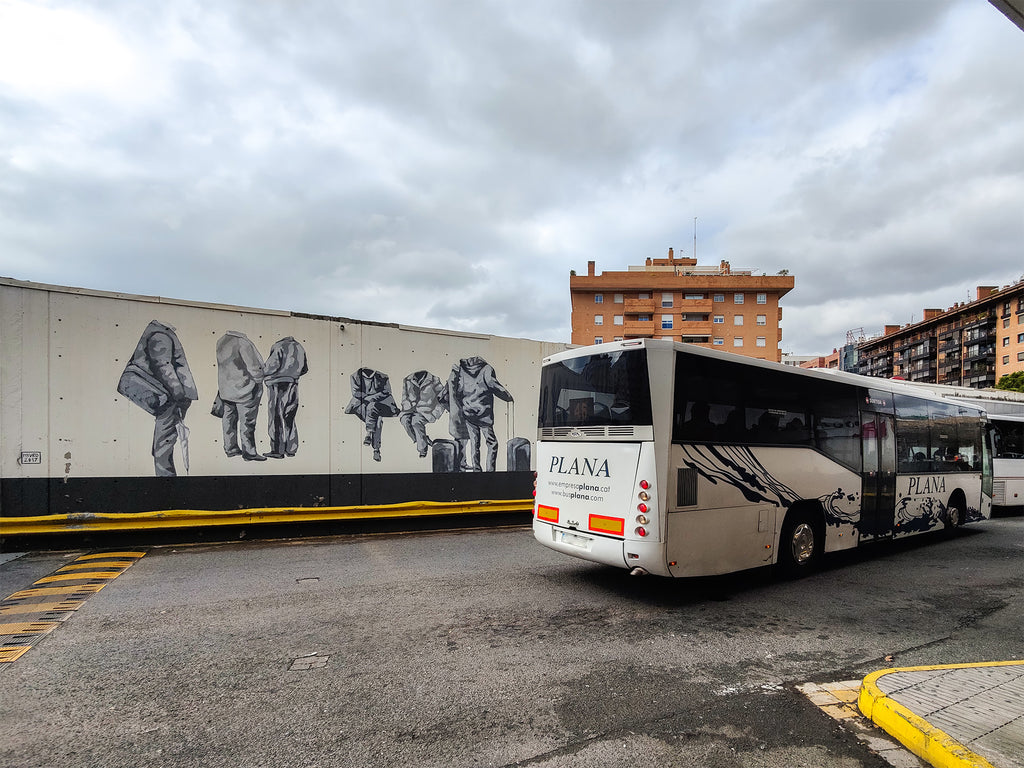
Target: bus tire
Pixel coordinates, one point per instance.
(956, 509)
(802, 543)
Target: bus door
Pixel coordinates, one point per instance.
(878, 479)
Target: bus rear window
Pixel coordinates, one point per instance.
(596, 390)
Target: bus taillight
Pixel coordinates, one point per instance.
(644, 484)
(641, 531)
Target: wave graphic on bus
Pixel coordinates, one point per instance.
(739, 467)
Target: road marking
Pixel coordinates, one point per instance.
(41, 614)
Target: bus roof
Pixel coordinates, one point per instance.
(927, 392)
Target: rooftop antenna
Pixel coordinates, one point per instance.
(695, 237)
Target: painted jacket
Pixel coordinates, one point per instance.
(285, 363)
(160, 353)
(370, 386)
(425, 394)
(239, 368)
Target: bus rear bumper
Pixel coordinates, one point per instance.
(647, 556)
(585, 545)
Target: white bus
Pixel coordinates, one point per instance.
(1008, 460)
(676, 460)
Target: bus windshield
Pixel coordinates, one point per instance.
(596, 390)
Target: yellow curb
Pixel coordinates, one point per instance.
(915, 733)
(194, 518)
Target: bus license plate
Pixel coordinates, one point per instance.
(574, 540)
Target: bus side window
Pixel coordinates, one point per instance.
(698, 424)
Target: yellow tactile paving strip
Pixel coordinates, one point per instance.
(32, 613)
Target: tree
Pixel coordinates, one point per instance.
(1014, 382)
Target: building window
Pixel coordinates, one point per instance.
(599, 298)
(643, 296)
(761, 341)
(719, 319)
(618, 298)
(737, 341)
(719, 297)
(1006, 341)
(694, 297)
(1006, 359)
(617, 319)
(762, 319)
(737, 298)
(666, 321)
(1020, 338)
(617, 338)
(666, 299)
(643, 318)
(1020, 356)
(1006, 322)
(719, 342)
(599, 339)
(762, 298)
(598, 319)
(737, 319)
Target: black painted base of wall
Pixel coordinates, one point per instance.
(31, 497)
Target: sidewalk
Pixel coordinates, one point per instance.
(958, 715)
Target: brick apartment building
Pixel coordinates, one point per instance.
(720, 307)
(970, 345)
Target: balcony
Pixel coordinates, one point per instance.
(700, 328)
(984, 352)
(642, 306)
(704, 306)
(637, 328)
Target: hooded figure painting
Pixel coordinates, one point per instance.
(472, 386)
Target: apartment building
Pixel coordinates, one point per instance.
(728, 309)
(971, 345)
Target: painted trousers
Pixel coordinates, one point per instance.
(165, 435)
(239, 425)
(476, 432)
(282, 405)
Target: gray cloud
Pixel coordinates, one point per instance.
(448, 163)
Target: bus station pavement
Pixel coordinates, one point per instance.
(950, 716)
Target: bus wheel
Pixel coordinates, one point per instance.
(953, 517)
(801, 544)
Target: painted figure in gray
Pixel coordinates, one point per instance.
(285, 364)
(424, 399)
(372, 402)
(158, 379)
(472, 386)
(240, 387)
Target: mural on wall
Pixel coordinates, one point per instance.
(424, 399)
(472, 386)
(158, 380)
(372, 402)
(285, 364)
(239, 392)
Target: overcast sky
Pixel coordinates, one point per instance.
(446, 163)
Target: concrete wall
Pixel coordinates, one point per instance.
(63, 421)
